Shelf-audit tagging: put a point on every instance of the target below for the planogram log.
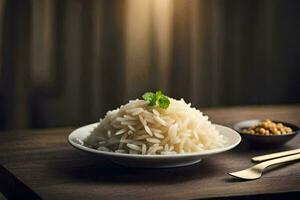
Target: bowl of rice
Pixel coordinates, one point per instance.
(154, 132)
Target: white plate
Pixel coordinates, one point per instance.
(154, 161)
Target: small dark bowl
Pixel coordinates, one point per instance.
(268, 140)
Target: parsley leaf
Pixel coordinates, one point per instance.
(150, 97)
(157, 99)
(163, 102)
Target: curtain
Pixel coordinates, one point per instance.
(66, 62)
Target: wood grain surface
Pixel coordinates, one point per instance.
(46, 163)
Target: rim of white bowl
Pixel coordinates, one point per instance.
(115, 154)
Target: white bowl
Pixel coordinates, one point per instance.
(154, 161)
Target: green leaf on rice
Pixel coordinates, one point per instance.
(157, 99)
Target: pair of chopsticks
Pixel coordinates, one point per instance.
(275, 155)
(265, 161)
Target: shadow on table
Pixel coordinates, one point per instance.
(88, 168)
(101, 170)
(245, 147)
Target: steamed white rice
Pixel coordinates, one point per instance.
(137, 128)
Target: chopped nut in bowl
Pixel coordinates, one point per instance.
(266, 131)
(268, 127)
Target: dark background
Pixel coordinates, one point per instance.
(66, 62)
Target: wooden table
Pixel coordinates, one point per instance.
(45, 162)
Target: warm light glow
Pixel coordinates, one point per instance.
(148, 30)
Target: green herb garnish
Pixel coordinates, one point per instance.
(157, 99)
(150, 97)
